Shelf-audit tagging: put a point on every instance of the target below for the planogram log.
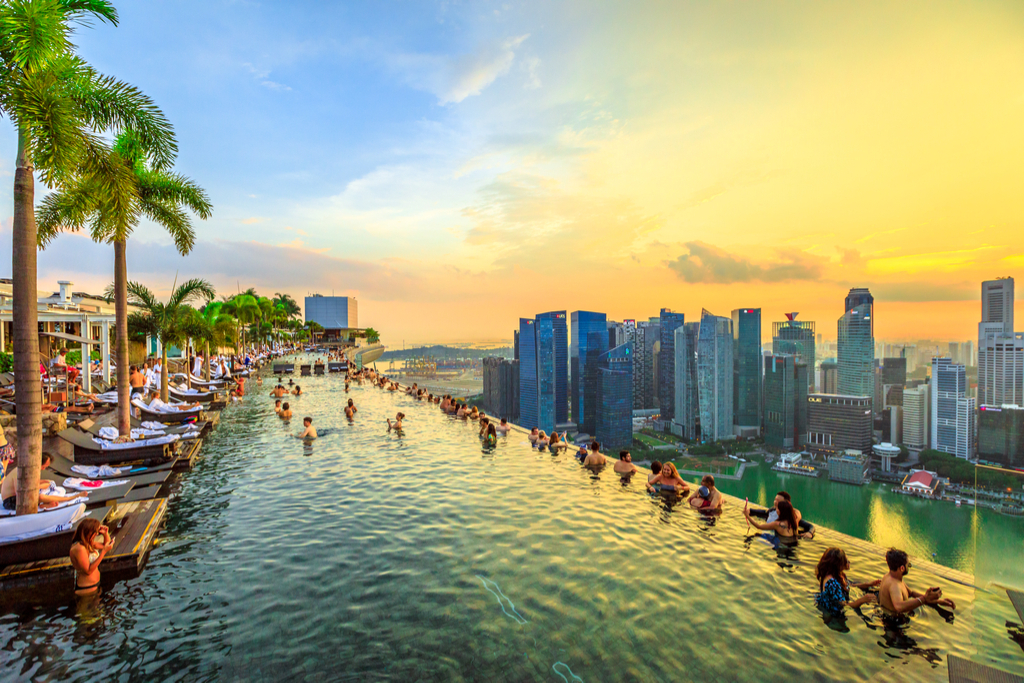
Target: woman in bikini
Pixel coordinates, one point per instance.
(669, 479)
(91, 544)
(786, 527)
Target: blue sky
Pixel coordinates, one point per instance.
(459, 165)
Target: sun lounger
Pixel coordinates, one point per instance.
(64, 467)
(173, 416)
(304, 370)
(88, 452)
(336, 367)
(198, 397)
(318, 369)
(96, 497)
(284, 368)
(44, 536)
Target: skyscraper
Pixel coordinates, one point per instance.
(746, 359)
(543, 371)
(614, 419)
(501, 388)
(894, 378)
(1001, 435)
(785, 402)
(560, 340)
(916, 425)
(796, 338)
(836, 423)
(686, 421)
(856, 348)
(1000, 349)
(829, 376)
(637, 336)
(667, 363)
(589, 340)
(952, 413)
(714, 377)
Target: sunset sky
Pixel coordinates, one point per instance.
(457, 166)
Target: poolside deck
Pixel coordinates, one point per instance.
(134, 526)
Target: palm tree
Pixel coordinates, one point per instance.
(246, 310)
(221, 326)
(291, 307)
(157, 194)
(167, 322)
(372, 335)
(58, 104)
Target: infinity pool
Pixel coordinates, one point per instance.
(423, 557)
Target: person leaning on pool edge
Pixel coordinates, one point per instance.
(895, 596)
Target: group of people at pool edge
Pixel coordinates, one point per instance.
(782, 523)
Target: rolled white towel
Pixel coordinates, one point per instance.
(109, 433)
(93, 471)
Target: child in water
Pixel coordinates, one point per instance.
(397, 424)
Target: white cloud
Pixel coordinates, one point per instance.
(262, 77)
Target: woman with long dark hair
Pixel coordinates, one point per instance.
(88, 548)
(833, 585)
(786, 527)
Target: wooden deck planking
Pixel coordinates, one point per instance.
(965, 671)
(189, 455)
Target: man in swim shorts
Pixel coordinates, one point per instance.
(707, 498)
(895, 596)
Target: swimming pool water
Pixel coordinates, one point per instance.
(372, 556)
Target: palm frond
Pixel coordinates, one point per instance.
(191, 290)
(33, 33)
(82, 11)
(173, 219)
(140, 295)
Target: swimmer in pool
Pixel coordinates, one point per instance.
(786, 527)
(595, 458)
(669, 478)
(534, 435)
(397, 424)
(286, 412)
(491, 438)
(707, 497)
(557, 442)
(624, 465)
(298, 390)
(895, 596)
(279, 391)
(655, 471)
(503, 427)
(352, 405)
(277, 406)
(310, 431)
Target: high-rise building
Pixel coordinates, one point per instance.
(1001, 435)
(714, 377)
(614, 420)
(1000, 349)
(796, 338)
(856, 349)
(747, 371)
(616, 334)
(997, 303)
(829, 376)
(501, 388)
(560, 339)
(916, 425)
(894, 374)
(543, 371)
(686, 421)
(589, 339)
(637, 336)
(785, 402)
(952, 412)
(652, 348)
(836, 423)
(669, 322)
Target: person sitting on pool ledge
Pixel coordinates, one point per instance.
(786, 527)
(90, 545)
(286, 412)
(655, 471)
(895, 596)
(397, 424)
(624, 465)
(595, 458)
(9, 488)
(503, 427)
(310, 431)
(834, 588)
(707, 497)
(669, 479)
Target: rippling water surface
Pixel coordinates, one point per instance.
(422, 556)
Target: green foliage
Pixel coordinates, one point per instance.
(372, 335)
(6, 362)
(961, 471)
(75, 357)
(710, 448)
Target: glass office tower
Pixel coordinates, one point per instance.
(667, 363)
(559, 363)
(747, 369)
(796, 338)
(615, 399)
(714, 377)
(589, 340)
(856, 346)
(540, 372)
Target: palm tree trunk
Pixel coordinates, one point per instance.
(207, 362)
(124, 414)
(164, 372)
(28, 391)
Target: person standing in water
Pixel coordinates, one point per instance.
(90, 545)
(310, 430)
(895, 596)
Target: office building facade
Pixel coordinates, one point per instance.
(855, 351)
(952, 412)
(543, 371)
(829, 376)
(794, 337)
(614, 419)
(1001, 435)
(686, 421)
(560, 340)
(669, 322)
(333, 313)
(893, 379)
(588, 341)
(714, 377)
(785, 402)
(916, 424)
(836, 423)
(501, 388)
(747, 371)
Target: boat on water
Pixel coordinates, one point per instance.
(802, 470)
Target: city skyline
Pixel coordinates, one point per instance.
(483, 157)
